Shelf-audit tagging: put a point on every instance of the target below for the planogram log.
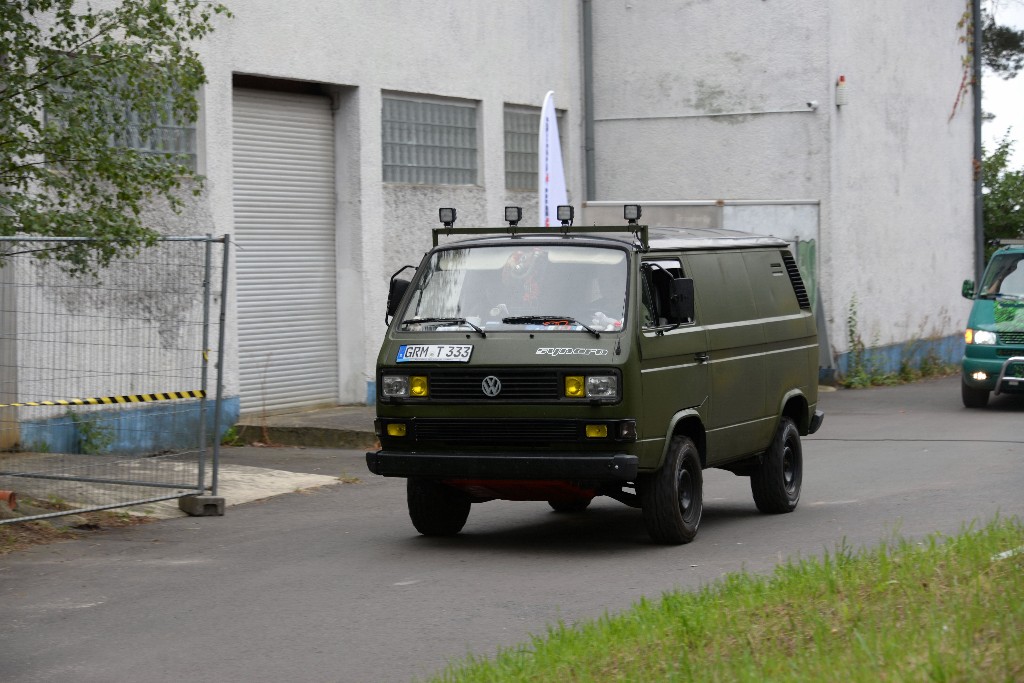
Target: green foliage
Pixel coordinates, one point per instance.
(76, 82)
(919, 359)
(1003, 190)
(942, 609)
(94, 437)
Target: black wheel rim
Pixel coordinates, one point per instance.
(685, 492)
(789, 468)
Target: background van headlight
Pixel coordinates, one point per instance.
(980, 337)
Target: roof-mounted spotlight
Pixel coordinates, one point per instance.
(565, 213)
(632, 213)
(447, 217)
(513, 214)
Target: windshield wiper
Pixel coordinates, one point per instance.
(542, 319)
(448, 321)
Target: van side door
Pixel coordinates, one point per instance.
(673, 365)
(737, 420)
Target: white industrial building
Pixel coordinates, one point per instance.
(722, 113)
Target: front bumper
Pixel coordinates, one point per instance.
(599, 467)
(999, 379)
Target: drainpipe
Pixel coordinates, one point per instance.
(588, 100)
(979, 221)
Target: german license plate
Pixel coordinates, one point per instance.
(436, 353)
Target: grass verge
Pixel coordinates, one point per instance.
(944, 609)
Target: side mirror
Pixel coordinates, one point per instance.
(680, 300)
(396, 290)
(968, 289)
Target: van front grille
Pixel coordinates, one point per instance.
(503, 432)
(516, 385)
(1011, 338)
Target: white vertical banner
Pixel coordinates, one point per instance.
(550, 173)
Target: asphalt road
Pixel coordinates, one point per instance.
(335, 585)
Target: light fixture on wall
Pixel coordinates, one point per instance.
(842, 96)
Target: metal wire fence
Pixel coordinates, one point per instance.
(105, 378)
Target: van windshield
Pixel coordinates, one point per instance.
(520, 287)
(1004, 276)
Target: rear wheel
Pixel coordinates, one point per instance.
(672, 499)
(436, 509)
(973, 398)
(569, 505)
(776, 480)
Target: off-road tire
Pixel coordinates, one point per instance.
(973, 398)
(436, 509)
(776, 480)
(672, 499)
(569, 505)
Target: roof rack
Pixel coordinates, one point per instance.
(640, 232)
(1008, 242)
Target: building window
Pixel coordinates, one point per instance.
(165, 138)
(429, 142)
(153, 133)
(522, 130)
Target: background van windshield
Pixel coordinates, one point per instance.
(1005, 276)
(505, 287)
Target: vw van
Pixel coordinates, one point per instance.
(994, 353)
(561, 364)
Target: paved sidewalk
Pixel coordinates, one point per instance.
(349, 426)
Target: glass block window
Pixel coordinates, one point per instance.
(165, 138)
(522, 130)
(429, 143)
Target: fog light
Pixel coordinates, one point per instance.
(979, 375)
(574, 386)
(396, 429)
(418, 387)
(627, 430)
(597, 431)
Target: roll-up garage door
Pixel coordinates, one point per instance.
(284, 227)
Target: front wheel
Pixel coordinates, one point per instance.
(672, 499)
(973, 398)
(775, 481)
(436, 509)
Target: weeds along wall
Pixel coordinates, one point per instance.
(115, 361)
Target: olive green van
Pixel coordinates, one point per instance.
(561, 364)
(994, 351)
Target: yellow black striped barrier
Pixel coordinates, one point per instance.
(112, 400)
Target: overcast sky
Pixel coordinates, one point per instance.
(1005, 99)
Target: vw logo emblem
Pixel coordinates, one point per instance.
(491, 386)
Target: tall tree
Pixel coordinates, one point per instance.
(1002, 47)
(1003, 191)
(94, 104)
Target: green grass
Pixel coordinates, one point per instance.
(944, 609)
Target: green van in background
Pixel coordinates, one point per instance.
(561, 364)
(994, 355)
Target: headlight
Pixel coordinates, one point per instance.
(602, 386)
(394, 386)
(404, 386)
(980, 337)
(591, 386)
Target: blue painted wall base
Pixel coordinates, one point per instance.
(889, 359)
(146, 428)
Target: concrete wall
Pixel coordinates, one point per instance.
(704, 101)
